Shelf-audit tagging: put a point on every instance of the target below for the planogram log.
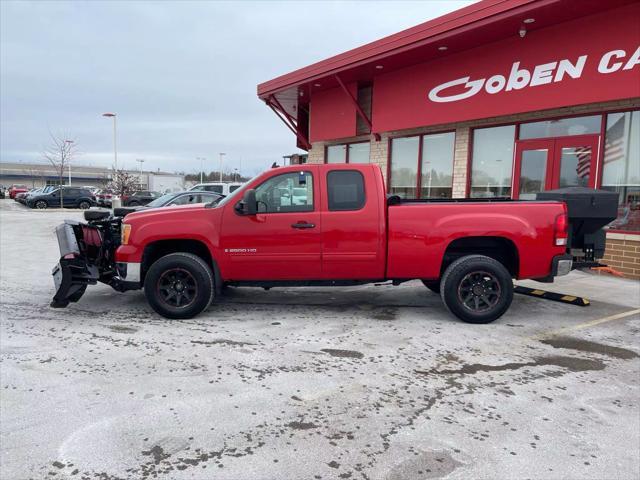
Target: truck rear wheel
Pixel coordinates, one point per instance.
(477, 289)
(179, 285)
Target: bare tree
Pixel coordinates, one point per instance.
(123, 182)
(59, 153)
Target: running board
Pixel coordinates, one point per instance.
(556, 297)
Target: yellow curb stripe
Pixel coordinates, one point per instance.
(538, 292)
(568, 298)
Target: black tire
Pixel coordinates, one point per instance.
(84, 205)
(133, 204)
(433, 285)
(179, 277)
(477, 289)
(40, 205)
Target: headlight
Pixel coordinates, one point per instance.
(124, 233)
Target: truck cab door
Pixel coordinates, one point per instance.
(353, 224)
(280, 242)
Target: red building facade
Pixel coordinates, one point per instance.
(501, 98)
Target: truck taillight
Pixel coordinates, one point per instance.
(561, 230)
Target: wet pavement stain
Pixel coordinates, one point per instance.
(574, 364)
(302, 425)
(385, 314)
(122, 329)
(334, 352)
(158, 454)
(590, 347)
(221, 341)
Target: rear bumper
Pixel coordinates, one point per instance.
(561, 265)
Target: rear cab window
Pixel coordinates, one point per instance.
(345, 190)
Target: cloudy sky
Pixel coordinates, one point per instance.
(181, 76)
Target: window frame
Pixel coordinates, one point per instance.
(364, 190)
(346, 152)
(420, 159)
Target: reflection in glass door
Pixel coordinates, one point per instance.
(533, 168)
(575, 162)
(533, 173)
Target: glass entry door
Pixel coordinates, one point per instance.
(554, 163)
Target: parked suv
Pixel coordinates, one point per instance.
(137, 199)
(72, 197)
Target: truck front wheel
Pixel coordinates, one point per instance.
(179, 285)
(477, 289)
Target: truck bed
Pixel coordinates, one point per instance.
(422, 232)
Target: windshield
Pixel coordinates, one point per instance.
(233, 194)
(159, 202)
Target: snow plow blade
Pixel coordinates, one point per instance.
(73, 273)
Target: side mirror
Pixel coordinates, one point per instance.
(248, 205)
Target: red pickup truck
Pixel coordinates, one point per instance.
(324, 225)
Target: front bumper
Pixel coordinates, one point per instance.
(129, 272)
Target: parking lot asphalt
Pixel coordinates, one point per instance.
(373, 382)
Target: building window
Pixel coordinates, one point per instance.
(621, 167)
(349, 153)
(561, 127)
(437, 165)
(404, 166)
(492, 161)
(434, 160)
(365, 94)
(358, 152)
(337, 154)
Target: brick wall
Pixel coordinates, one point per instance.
(623, 254)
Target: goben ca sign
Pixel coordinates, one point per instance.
(587, 60)
(521, 77)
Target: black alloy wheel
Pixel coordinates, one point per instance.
(41, 205)
(179, 285)
(477, 289)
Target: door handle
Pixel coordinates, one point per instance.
(303, 225)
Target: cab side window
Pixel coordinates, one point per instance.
(345, 190)
(289, 192)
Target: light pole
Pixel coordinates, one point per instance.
(69, 159)
(115, 143)
(140, 162)
(202, 159)
(221, 155)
